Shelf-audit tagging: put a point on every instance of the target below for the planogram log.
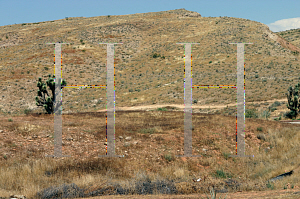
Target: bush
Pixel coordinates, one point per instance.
(155, 55)
(276, 104)
(251, 113)
(162, 109)
(168, 157)
(27, 111)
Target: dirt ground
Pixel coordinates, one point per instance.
(270, 194)
(213, 107)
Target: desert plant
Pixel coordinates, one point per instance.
(251, 113)
(41, 99)
(27, 111)
(293, 103)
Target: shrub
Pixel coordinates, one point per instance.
(27, 111)
(168, 157)
(155, 55)
(251, 113)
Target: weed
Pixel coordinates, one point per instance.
(10, 120)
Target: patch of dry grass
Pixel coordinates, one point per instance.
(154, 156)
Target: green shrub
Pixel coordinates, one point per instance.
(276, 104)
(155, 55)
(251, 113)
(27, 111)
(168, 157)
(162, 109)
(222, 174)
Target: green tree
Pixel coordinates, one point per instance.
(293, 103)
(42, 99)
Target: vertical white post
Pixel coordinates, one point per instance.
(57, 104)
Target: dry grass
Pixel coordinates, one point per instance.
(24, 171)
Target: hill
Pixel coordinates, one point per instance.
(149, 72)
(140, 79)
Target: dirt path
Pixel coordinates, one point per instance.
(181, 106)
(270, 194)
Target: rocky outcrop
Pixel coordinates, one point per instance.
(280, 41)
(183, 13)
(193, 14)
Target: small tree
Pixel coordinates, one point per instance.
(293, 103)
(41, 99)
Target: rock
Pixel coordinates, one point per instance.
(1, 131)
(126, 144)
(281, 176)
(128, 138)
(64, 191)
(121, 137)
(194, 14)
(69, 139)
(17, 197)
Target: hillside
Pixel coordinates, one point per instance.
(271, 66)
(149, 140)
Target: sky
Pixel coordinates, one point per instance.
(279, 15)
